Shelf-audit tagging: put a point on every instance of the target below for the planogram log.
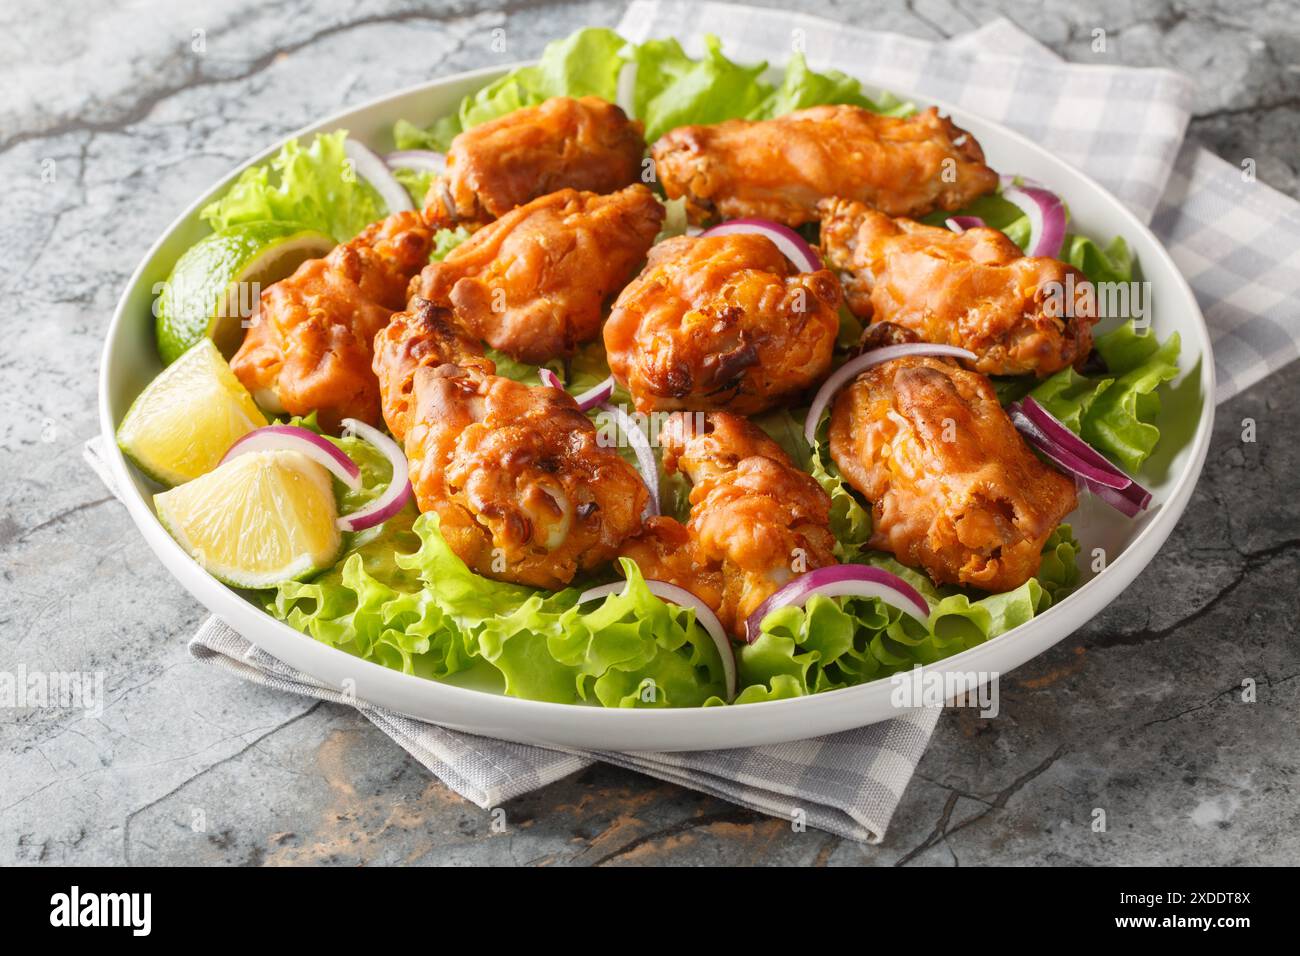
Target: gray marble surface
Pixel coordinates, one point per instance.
(1139, 713)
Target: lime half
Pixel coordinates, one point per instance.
(215, 285)
(188, 417)
(258, 520)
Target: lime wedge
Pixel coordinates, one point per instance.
(184, 421)
(215, 284)
(259, 519)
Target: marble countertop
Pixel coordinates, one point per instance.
(114, 116)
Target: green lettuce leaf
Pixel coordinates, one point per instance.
(801, 88)
(445, 240)
(672, 89)
(417, 183)
(586, 63)
(405, 600)
(829, 644)
(316, 186)
(1116, 412)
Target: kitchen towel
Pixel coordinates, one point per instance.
(847, 784)
(1237, 241)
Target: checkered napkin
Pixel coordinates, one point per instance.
(1238, 244)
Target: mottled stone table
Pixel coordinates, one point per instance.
(1139, 713)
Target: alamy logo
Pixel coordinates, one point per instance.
(102, 909)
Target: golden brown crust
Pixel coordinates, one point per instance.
(954, 488)
(976, 290)
(781, 168)
(583, 143)
(309, 347)
(521, 486)
(756, 521)
(721, 322)
(534, 283)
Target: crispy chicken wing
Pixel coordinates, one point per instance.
(583, 143)
(534, 283)
(976, 290)
(756, 520)
(309, 346)
(522, 489)
(953, 487)
(780, 168)
(721, 322)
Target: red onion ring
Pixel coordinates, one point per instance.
(959, 224)
(792, 245)
(293, 438)
(625, 89)
(1089, 468)
(704, 616)
(370, 167)
(398, 492)
(1047, 218)
(842, 580)
(587, 400)
(421, 160)
(645, 456)
(852, 368)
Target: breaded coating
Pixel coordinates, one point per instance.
(977, 290)
(721, 322)
(535, 282)
(522, 488)
(583, 143)
(757, 521)
(781, 168)
(309, 346)
(953, 487)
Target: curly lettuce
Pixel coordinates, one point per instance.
(671, 88)
(314, 185)
(1116, 412)
(421, 610)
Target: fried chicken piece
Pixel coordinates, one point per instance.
(756, 520)
(309, 346)
(976, 290)
(493, 167)
(424, 336)
(721, 322)
(521, 486)
(780, 168)
(534, 283)
(954, 489)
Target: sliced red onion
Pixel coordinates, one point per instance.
(1063, 455)
(1072, 454)
(645, 456)
(1047, 218)
(292, 438)
(853, 367)
(421, 160)
(587, 400)
(792, 245)
(842, 580)
(370, 167)
(704, 615)
(960, 224)
(625, 95)
(1130, 501)
(398, 492)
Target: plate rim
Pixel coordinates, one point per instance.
(247, 619)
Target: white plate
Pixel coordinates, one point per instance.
(130, 361)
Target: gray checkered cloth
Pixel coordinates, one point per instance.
(1237, 242)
